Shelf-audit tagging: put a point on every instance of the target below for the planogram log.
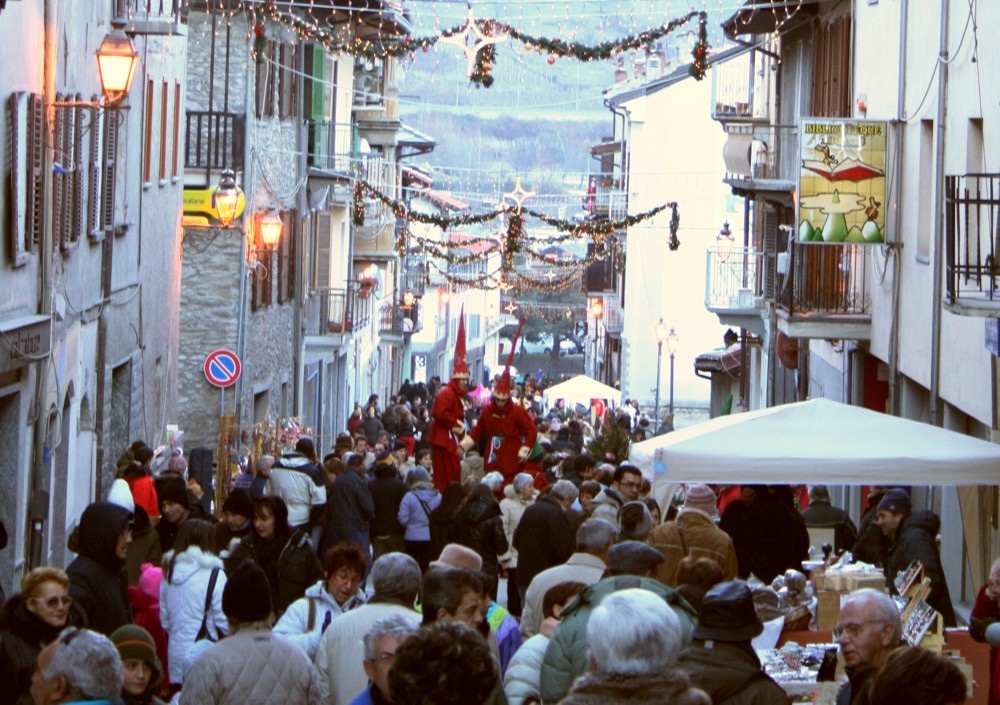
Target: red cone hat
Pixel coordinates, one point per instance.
(503, 385)
(460, 367)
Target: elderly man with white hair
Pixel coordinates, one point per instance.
(518, 496)
(634, 639)
(81, 666)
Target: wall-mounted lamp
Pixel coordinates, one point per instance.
(408, 299)
(270, 229)
(228, 198)
(597, 307)
(444, 296)
(724, 242)
(368, 280)
(116, 60)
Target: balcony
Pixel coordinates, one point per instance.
(824, 293)
(605, 199)
(333, 146)
(160, 17)
(731, 283)
(335, 312)
(741, 89)
(762, 161)
(972, 229)
(393, 321)
(614, 315)
(214, 141)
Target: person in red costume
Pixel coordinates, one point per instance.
(448, 418)
(507, 426)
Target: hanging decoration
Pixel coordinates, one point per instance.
(358, 205)
(478, 40)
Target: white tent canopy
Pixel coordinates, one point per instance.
(581, 389)
(819, 442)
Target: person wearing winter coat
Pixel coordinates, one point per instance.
(521, 679)
(985, 613)
(97, 579)
(518, 496)
(387, 490)
(349, 507)
(187, 576)
(252, 666)
(634, 639)
(297, 479)
(631, 564)
(543, 537)
(285, 556)
(145, 601)
(140, 481)
(415, 516)
(29, 621)
(143, 671)
(481, 529)
(721, 660)
(175, 509)
(145, 546)
(914, 536)
(305, 620)
(372, 425)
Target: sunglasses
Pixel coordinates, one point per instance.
(55, 601)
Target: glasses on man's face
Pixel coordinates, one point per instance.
(55, 601)
(384, 659)
(630, 484)
(852, 629)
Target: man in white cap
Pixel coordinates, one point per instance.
(693, 533)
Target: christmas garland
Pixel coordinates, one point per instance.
(485, 35)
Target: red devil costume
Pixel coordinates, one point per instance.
(448, 418)
(509, 428)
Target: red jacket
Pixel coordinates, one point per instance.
(507, 429)
(144, 494)
(448, 412)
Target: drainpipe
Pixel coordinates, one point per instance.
(899, 142)
(304, 215)
(939, 147)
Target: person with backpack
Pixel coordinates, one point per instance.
(415, 516)
(191, 594)
(305, 620)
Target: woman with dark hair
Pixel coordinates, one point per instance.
(30, 621)
(338, 592)
(443, 527)
(480, 527)
(915, 675)
(406, 427)
(192, 578)
(655, 515)
(285, 556)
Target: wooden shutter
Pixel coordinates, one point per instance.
(94, 192)
(110, 169)
(27, 152)
(321, 252)
(288, 78)
(60, 171)
(289, 238)
(768, 286)
(147, 151)
(78, 176)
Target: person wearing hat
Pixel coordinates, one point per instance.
(252, 666)
(693, 533)
(235, 524)
(721, 660)
(349, 507)
(913, 536)
(175, 509)
(448, 417)
(506, 427)
(415, 516)
(634, 641)
(823, 515)
(143, 671)
(872, 546)
(631, 564)
(387, 490)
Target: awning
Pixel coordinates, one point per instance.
(757, 17)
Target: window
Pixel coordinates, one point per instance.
(287, 57)
(832, 69)
(925, 182)
(70, 170)
(286, 258)
(147, 151)
(176, 145)
(164, 98)
(265, 78)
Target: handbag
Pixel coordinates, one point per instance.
(203, 632)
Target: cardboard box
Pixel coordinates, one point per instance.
(857, 581)
(828, 609)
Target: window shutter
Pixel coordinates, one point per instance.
(770, 249)
(97, 120)
(110, 169)
(321, 257)
(59, 172)
(290, 236)
(78, 175)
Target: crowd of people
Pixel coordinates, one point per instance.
(373, 576)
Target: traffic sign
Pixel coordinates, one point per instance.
(222, 368)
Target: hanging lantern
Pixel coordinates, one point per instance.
(227, 198)
(270, 229)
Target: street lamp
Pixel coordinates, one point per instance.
(116, 60)
(672, 341)
(227, 198)
(270, 229)
(724, 242)
(661, 335)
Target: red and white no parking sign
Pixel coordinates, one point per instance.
(222, 368)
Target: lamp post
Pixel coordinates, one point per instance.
(660, 329)
(672, 341)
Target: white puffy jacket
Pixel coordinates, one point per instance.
(294, 621)
(524, 670)
(296, 480)
(182, 603)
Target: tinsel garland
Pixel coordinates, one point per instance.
(481, 72)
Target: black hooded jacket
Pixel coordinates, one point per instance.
(97, 580)
(915, 539)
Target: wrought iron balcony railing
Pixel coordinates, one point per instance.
(152, 16)
(332, 145)
(392, 321)
(741, 88)
(731, 279)
(214, 140)
(825, 279)
(337, 311)
(972, 229)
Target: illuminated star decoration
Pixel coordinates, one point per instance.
(511, 307)
(519, 195)
(471, 40)
(505, 286)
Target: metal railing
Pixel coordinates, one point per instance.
(144, 15)
(731, 278)
(741, 88)
(332, 145)
(214, 140)
(972, 229)
(614, 315)
(774, 151)
(336, 311)
(826, 278)
(391, 318)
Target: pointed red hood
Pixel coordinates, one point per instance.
(460, 367)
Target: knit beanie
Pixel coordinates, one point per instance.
(700, 497)
(174, 490)
(150, 578)
(419, 474)
(239, 502)
(121, 495)
(247, 595)
(896, 501)
(132, 641)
